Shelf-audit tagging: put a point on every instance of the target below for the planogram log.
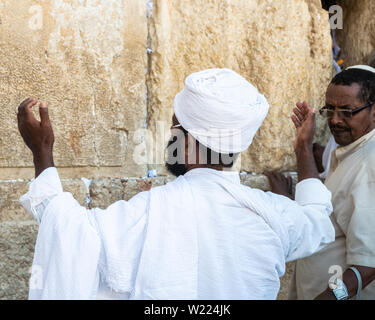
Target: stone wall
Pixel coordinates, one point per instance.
(257, 38)
(89, 61)
(109, 70)
(357, 38)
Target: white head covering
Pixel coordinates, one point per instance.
(363, 67)
(220, 109)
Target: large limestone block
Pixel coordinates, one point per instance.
(17, 240)
(87, 59)
(283, 47)
(357, 38)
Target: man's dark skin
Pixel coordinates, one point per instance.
(37, 135)
(345, 132)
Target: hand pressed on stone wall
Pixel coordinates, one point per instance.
(280, 184)
(37, 135)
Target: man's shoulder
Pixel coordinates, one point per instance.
(369, 150)
(170, 185)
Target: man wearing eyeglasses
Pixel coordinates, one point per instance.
(345, 267)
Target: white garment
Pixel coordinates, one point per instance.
(220, 109)
(326, 159)
(201, 236)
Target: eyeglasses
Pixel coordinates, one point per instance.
(328, 112)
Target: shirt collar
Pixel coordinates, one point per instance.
(232, 176)
(342, 152)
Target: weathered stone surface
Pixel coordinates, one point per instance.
(285, 282)
(10, 208)
(17, 240)
(357, 38)
(283, 48)
(11, 191)
(87, 60)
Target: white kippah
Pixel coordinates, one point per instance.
(362, 67)
(220, 109)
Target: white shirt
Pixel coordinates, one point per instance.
(351, 180)
(201, 236)
(326, 158)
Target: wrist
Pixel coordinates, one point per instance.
(304, 149)
(305, 162)
(43, 159)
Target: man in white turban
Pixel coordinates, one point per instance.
(201, 236)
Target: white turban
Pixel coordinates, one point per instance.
(220, 109)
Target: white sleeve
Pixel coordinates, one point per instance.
(67, 249)
(75, 245)
(307, 218)
(41, 191)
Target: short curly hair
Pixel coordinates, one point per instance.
(365, 79)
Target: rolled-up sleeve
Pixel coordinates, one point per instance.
(68, 247)
(77, 248)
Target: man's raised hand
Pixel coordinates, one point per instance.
(37, 135)
(304, 121)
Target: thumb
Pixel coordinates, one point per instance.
(43, 112)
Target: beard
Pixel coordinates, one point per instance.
(177, 169)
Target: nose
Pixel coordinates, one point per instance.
(335, 119)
